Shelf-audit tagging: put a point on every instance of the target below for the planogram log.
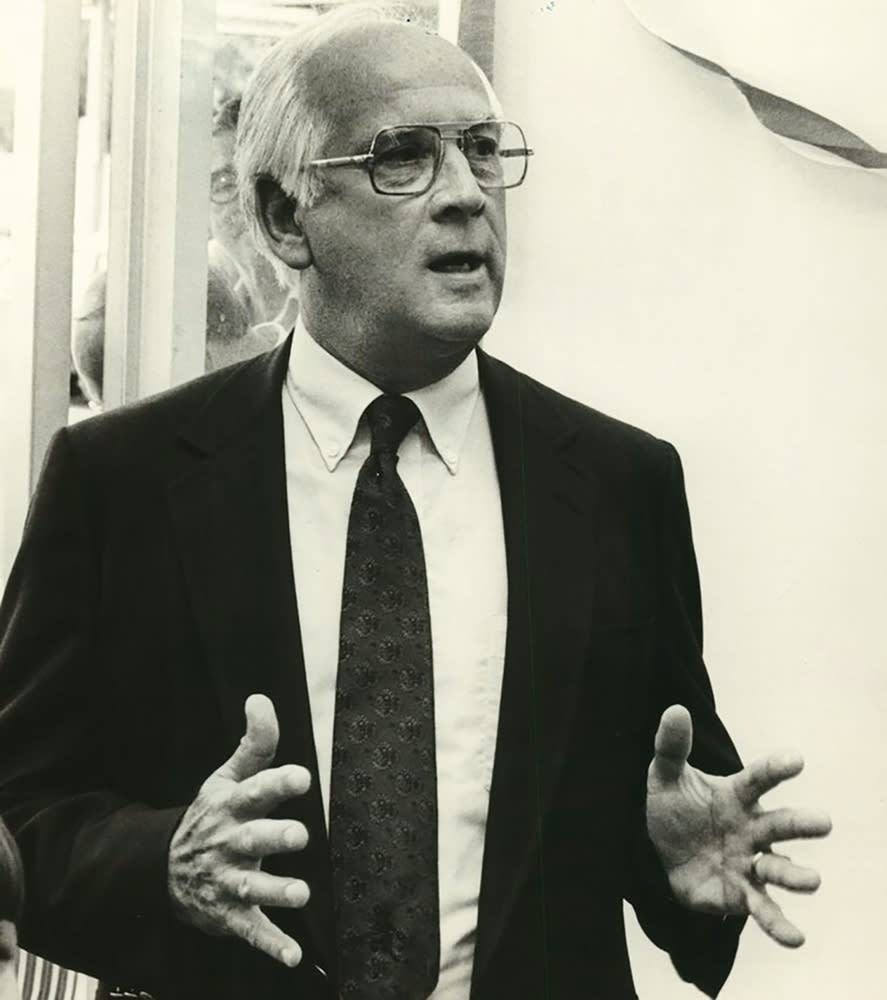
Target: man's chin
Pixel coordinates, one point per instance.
(462, 327)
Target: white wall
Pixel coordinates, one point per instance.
(674, 264)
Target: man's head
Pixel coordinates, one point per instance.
(398, 287)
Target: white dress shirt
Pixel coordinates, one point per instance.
(446, 463)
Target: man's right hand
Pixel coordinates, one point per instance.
(215, 855)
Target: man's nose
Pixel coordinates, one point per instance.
(456, 188)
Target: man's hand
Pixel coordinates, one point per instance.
(713, 837)
(215, 877)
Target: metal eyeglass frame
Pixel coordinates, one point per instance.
(446, 131)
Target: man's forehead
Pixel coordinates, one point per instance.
(371, 64)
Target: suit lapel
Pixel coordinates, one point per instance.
(230, 510)
(546, 506)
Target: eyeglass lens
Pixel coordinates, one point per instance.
(406, 158)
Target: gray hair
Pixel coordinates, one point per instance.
(282, 128)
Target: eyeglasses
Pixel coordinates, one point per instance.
(223, 186)
(406, 159)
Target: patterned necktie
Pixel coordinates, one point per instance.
(383, 796)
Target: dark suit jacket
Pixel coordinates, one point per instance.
(153, 592)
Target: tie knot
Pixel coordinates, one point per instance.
(390, 417)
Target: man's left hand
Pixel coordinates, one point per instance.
(715, 840)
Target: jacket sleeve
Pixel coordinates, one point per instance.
(702, 947)
(95, 863)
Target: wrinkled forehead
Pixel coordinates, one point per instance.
(373, 70)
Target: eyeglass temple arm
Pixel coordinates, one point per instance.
(342, 161)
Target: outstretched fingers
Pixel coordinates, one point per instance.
(260, 888)
(764, 775)
(264, 935)
(789, 824)
(214, 867)
(770, 918)
(258, 746)
(256, 796)
(776, 869)
(259, 837)
(674, 739)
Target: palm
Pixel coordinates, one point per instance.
(701, 831)
(707, 831)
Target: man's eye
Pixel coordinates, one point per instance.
(405, 154)
(483, 143)
(485, 146)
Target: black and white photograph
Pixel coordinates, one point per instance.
(441, 505)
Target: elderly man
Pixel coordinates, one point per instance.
(460, 609)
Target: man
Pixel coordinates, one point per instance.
(171, 544)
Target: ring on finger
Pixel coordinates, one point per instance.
(755, 874)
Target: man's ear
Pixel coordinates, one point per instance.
(279, 218)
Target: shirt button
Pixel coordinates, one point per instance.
(333, 451)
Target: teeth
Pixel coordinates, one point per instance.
(460, 264)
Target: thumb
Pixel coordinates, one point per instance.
(258, 745)
(674, 738)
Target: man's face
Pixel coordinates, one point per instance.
(401, 288)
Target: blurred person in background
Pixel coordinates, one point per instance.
(12, 900)
(232, 248)
(23, 975)
(247, 309)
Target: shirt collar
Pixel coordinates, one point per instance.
(331, 399)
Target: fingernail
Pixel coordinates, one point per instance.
(294, 837)
(301, 779)
(296, 892)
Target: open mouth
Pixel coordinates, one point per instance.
(456, 263)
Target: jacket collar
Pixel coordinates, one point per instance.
(249, 394)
